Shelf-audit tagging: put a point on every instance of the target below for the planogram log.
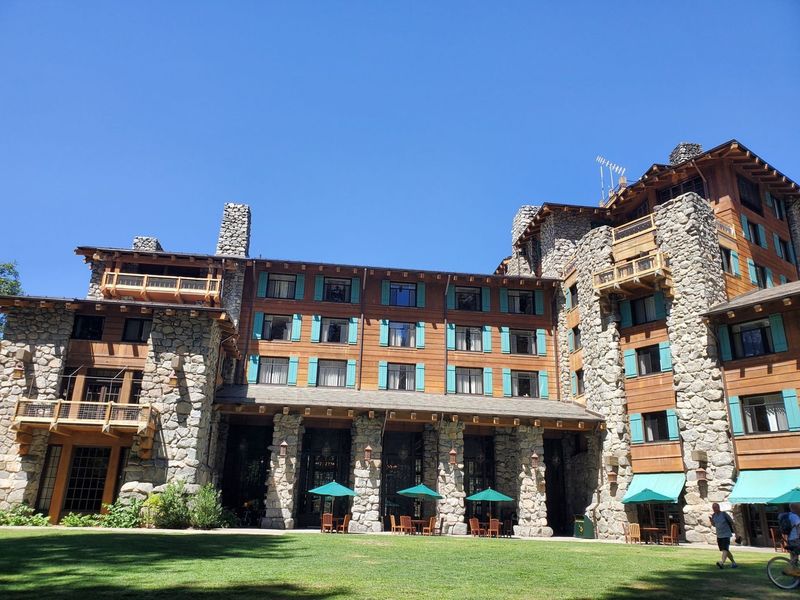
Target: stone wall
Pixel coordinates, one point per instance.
(430, 455)
(451, 478)
(234, 231)
(283, 472)
(95, 279)
(522, 262)
(559, 235)
(683, 152)
(232, 291)
(367, 474)
(506, 461)
(45, 333)
(532, 501)
(686, 232)
(793, 219)
(582, 470)
(146, 243)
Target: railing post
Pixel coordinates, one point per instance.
(56, 413)
(106, 424)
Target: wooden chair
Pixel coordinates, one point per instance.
(508, 528)
(407, 525)
(475, 528)
(440, 529)
(343, 528)
(494, 528)
(395, 527)
(431, 528)
(672, 538)
(777, 540)
(634, 534)
(327, 523)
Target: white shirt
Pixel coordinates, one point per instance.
(795, 521)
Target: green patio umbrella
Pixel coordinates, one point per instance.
(789, 497)
(489, 495)
(648, 495)
(420, 492)
(332, 489)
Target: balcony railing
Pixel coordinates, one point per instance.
(106, 415)
(636, 227)
(160, 286)
(631, 271)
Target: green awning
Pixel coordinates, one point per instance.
(759, 487)
(655, 487)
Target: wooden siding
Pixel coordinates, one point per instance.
(648, 393)
(110, 351)
(658, 457)
(768, 451)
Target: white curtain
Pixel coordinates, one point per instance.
(401, 335)
(332, 374)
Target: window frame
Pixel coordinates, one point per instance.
(287, 279)
(533, 377)
(410, 327)
(394, 293)
(573, 295)
(465, 333)
(661, 420)
(325, 324)
(268, 326)
(341, 367)
(737, 343)
(727, 260)
(746, 402)
(140, 338)
(514, 337)
(654, 353)
(460, 291)
(742, 183)
(409, 372)
(474, 376)
(643, 302)
(517, 296)
(680, 188)
(273, 362)
(577, 343)
(327, 289)
(101, 320)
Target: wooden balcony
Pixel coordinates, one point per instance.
(161, 288)
(727, 234)
(634, 275)
(634, 239)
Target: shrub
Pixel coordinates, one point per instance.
(206, 509)
(79, 520)
(150, 508)
(172, 510)
(23, 515)
(123, 513)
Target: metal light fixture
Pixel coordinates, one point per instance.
(534, 460)
(612, 477)
(21, 356)
(177, 364)
(452, 456)
(701, 474)
(368, 453)
(283, 448)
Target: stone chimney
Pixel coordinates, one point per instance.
(147, 244)
(524, 216)
(234, 231)
(683, 152)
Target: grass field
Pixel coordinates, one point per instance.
(57, 564)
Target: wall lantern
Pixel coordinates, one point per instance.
(284, 447)
(177, 364)
(21, 356)
(368, 453)
(452, 456)
(701, 474)
(534, 460)
(612, 477)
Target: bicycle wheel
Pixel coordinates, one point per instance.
(775, 572)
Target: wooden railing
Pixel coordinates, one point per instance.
(726, 229)
(107, 415)
(630, 270)
(117, 284)
(636, 227)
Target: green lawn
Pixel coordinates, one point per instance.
(56, 564)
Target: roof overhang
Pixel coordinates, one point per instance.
(550, 208)
(758, 301)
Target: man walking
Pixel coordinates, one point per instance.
(723, 523)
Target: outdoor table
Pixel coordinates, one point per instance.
(652, 533)
(419, 524)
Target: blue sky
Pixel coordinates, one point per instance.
(381, 133)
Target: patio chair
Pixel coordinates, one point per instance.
(431, 528)
(777, 540)
(494, 528)
(395, 527)
(327, 523)
(672, 538)
(440, 529)
(475, 528)
(508, 528)
(407, 525)
(343, 528)
(634, 534)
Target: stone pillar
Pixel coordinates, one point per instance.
(532, 503)
(521, 262)
(44, 333)
(686, 232)
(95, 279)
(146, 243)
(451, 478)
(793, 219)
(234, 231)
(430, 455)
(283, 472)
(506, 462)
(367, 475)
(233, 290)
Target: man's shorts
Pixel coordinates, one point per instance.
(724, 543)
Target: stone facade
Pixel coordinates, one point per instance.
(283, 472)
(233, 290)
(145, 243)
(367, 474)
(234, 232)
(506, 462)
(95, 279)
(532, 499)
(522, 262)
(451, 478)
(683, 152)
(793, 219)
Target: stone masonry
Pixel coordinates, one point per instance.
(506, 462)
(451, 478)
(683, 152)
(283, 472)
(532, 501)
(521, 262)
(234, 231)
(793, 219)
(147, 244)
(366, 474)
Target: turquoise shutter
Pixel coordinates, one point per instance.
(625, 313)
(792, 410)
(262, 284)
(297, 327)
(544, 388)
(319, 286)
(421, 294)
(724, 342)
(538, 302)
(567, 299)
(735, 264)
(745, 227)
(672, 424)
(574, 384)
(486, 303)
(420, 334)
(299, 287)
(630, 363)
(383, 335)
(768, 200)
(291, 377)
(661, 307)
(505, 340)
(778, 333)
(451, 379)
(768, 277)
(451, 336)
(777, 241)
(665, 355)
(637, 431)
(791, 258)
(783, 279)
(762, 235)
(252, 369)
(503, 300)
(312, 371)
(419, 380)
(541, 342)
(352, 331)
(316, 325)
(258, 325)
(487, 338)
(451, 297)
(487, 381)
(350, 379)
(571, 340)
(737, 427)
(507, 383)
(383, 370)
(385, 292)
(751, 271)
(355, 290)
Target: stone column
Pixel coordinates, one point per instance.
(532, 504)
(283, 472)
(95, 279)
(367, 474)
(686, 232)
(506, 462)
(793, 219)
(430, 455)
(521, 261)
(451, 478)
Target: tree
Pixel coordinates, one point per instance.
(9, 286)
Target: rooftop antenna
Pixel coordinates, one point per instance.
(612, 168)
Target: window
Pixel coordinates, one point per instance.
(48, 479)
(87, 328)
(648, 360)
(579, 382)
(655, 426)
(137, 330)
(643, 310)
(764, 414)
(576, 338)
(332, 373)
(761, 276)
(779, 208)
(273, 371)
(469, 381)
(748, 194)
(87, 480)
(281, 286)
(525, 384)
(469, 339)
(573, 295)
(786, 249)
(754, 232)
(402, 294)
(690, 185)
(521, 302)
(401, 377)
(522, 342)
(727, 264)
(336, 290)
(277, 327)
(136, 387)
(334, 331)
(753, 338)
(102, 385)
(468, 298)
(402, 335)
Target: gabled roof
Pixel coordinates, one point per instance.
(91, 251)
(756, 297)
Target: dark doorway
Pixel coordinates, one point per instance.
(87, 480)
(558, 517)
(402, 468)
(479, 473)
(244, 476)
(325, 458)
